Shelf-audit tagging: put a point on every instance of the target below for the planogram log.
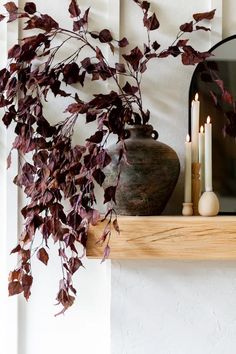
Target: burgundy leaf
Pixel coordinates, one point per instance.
(155, 45)
(27, 281)
(65, 299)
(120, 67)
(43, 255)
(130, 90)
(123, 42)
(99, 176)
(14, 288)
(220, 84)
(151, 55)
(74, 220)
(227, 97)
(95, 217)
(30, 8)
(192, 57)
(116, 225)
(45, 22)
(103, 159)
(14, 52)
(134, 58)
(97, 137)
(85, 17)
(74, 264)
(70, 189)
(74, 9)
(145, 5)
(94, 35)
(99, 54)
(182, 42)
(106, 253)
(105, 36)
(2, 17)
(151, 22)
(81, 78)
(16, 249)
(8, 117)
(11, 7)
(47, 197)
(137, 118)
(25, 255)
(204, 15)
(106, 231)
(9, 160)
(187, 27)
(143, 66)
(174, 51)
(146, 49)
(146, 116)
(109, 194)
(15, 275)
(203, 28)
(69, 239)
(76, 108)
(91, 116)
(77, 25)
(71, 73)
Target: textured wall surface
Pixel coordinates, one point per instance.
(173, 307)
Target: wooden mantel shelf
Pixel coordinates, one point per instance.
(168, 237)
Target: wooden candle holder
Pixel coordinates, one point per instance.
(209, 204)
(196, 186)
(187, 209)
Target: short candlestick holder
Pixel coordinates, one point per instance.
(208, 204)
(187, 209)
(196, 186)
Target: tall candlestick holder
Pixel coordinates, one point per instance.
(196, 186)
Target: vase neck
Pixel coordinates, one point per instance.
(141, 131)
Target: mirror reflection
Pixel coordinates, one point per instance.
(215, 82)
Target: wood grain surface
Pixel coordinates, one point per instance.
(168, 237)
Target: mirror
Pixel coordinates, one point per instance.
(206, 81)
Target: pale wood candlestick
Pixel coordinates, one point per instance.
(209, 204)
(196, 186)
(187, 209)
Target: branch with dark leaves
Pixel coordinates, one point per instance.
(53, 169)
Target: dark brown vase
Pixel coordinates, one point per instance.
(149, 178)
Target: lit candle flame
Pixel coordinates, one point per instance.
(208, 120)
(187, 138)
(196, 97)
(201, 129)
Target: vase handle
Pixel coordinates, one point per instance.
(155, 134)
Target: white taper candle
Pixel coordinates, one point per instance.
(202, 157)
(208, 155)
(188, 171)
(195, 127)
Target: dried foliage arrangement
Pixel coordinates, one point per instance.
(53, 169)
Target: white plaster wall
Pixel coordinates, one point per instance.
(229, 19)
(173, 307)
